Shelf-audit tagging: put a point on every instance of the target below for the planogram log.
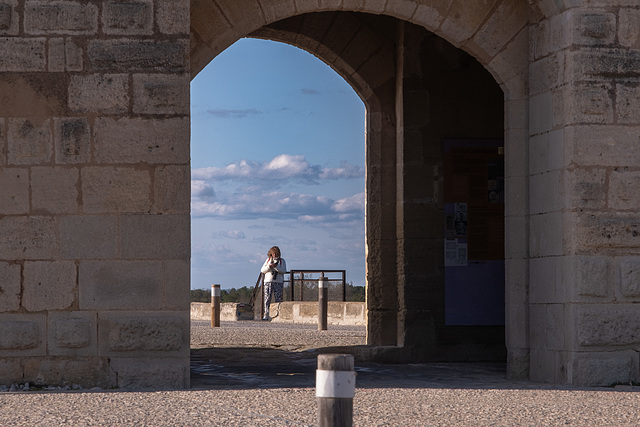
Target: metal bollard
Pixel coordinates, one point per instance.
(215, 306)
(323, 296)
(335, 388)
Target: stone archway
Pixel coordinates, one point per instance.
(365, 54)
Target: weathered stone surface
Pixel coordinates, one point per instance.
(124, 333)
(593, 276)
(30, 142)
(628, 103)
(592, 28)
(129, 17)
(607, 325)
(88, 237)
(74, 56)
(49, 285)
(32, 96)
(33, 237)
(142, 140)
(120, 285)
(72, 140)
(134, 55)
(10, 370)
(590, 104)
(72, 333)
(605, 368)
(22, 335)
(54, 190)
(115, 189)
(14, 191)
(9, 287)
(67, 371)
(155, 373)
(623, 189)
(615, 146)
(586, 189)
(99, 93)
(9, 19)
(161, 94)
(173, 16)
(55, 55)
(177, 284)
(172, 189)
(155, 236)
(22, 55)
(628, 277)
(604, 65)
(629, 28)
(607, 230)
(60, 17)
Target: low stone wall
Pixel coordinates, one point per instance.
(339, 313)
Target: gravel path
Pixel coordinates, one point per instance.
(386, 395)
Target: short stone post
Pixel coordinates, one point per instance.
(335, 388)
(323, 296)
(215, 306)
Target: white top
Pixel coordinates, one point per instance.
(280, 268)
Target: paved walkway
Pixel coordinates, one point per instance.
(260, 374)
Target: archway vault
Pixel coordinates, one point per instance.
(359, 39)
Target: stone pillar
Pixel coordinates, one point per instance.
(585, 220)
(94, 193)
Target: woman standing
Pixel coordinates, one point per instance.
(273, 269)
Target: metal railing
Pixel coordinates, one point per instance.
(304, 284)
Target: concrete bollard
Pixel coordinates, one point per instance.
(323, 296)
(335, 388)
(215, 306)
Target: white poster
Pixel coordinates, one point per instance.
(455, 253)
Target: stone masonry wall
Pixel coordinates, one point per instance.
(94, 192)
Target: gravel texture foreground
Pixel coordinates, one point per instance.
(260, 374)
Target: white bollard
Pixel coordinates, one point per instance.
(215, 306)
(335, 388)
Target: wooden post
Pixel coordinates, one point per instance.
(335, 388)
(215, 306)
(323, 296)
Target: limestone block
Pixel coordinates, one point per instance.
(23, 55)
(402, 9)
(60, 17)
(431, 15)
(9, 287)
(540, 37)
(74, 55)
(99, 93)
(161, 94)
(463, 19)
(9, 19)
(10, 370)
(559, 31)
(303, 6)
(55, 54)
(142, 141)
(546, 234)
(503, 24)
(87, 372)
(543, 365)
(595, 231)
(615, 146)
(515, 201)
(543, 280)
(592, 276)
(177, 284)
(3, 144)
(155, 236)
(517, 320)
(33, 237)
(72, 333)
(516, 236)
(155, 373)
(172, 189)
(546, 192)
(628, 104)
(120, 285)
(607, 325)
(243, 15)
(49, 285)
(22, 335)
(72, 140)
(541, 113)
(88, 237)
(14, 191)
(629, 28)
(54, 189)
(114, 56)
(29, 142)
(603, 64)
(127, 18)
(590, 103)
(586, 189)
(592, 28)
(628, 277)
(605, 368)
(115, 189)
(516, 280)
(623, 189)
(173, 16)
(274, 11)
(143, 333)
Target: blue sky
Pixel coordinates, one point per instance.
(277, 158)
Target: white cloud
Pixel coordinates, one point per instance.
(354, 203)
(202, 190)
(281, 167)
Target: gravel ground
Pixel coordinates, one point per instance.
(408, 395)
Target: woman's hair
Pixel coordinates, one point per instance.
(275, 251)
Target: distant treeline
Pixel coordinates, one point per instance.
(243, 295)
